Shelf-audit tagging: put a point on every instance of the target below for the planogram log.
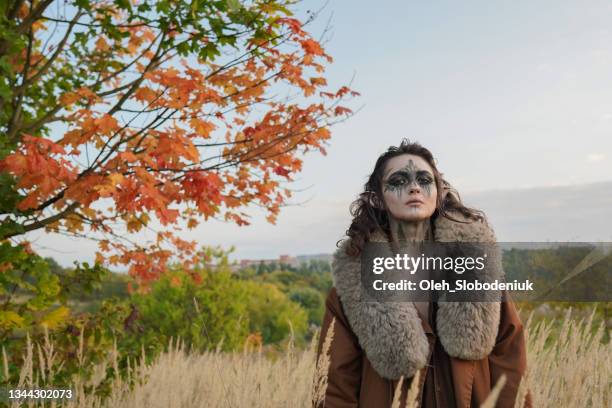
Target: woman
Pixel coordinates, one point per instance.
(461, 349)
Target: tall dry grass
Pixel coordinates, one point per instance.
(320, 376)
(570, 369)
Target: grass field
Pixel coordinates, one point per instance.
(569, 366)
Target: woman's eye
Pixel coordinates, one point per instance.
(425, 180)
(397, 182)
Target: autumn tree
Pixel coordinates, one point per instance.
(120, 115)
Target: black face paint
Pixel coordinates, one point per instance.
(405, 176)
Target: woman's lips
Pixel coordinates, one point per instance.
(411, 202)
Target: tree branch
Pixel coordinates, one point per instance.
(57, 52)
(34, 15)
(40, 224)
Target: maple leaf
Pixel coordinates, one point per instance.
(69, 98)
(201, 127)
(102, 45)
(294, 25)
(341, 110)
(312, 47)
(31, 201)
(318, 81)
(281, 171)
(145, 94)
(107, 124)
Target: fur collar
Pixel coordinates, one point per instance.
(391, 333)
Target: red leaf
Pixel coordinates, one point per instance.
(281, 171)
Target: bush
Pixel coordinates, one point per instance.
(312, 301)
(204, 310)
(209, 307)
(272, 313)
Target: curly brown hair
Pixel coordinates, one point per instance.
(368, 210)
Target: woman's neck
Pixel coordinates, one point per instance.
(410, 231)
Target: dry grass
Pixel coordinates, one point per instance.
(492, 398)
(413, 392)
(571, 370)
(319, 379)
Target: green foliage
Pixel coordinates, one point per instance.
(24, 273)
(312, 301)
(202, 314)
(35, 296)
(34, 292)
(272, 313)
(210, 307)
(307, 284)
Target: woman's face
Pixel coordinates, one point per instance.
(409, 188)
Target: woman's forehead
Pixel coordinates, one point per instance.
(401, 161)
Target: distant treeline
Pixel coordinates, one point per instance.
(548, 268)
(308, 283)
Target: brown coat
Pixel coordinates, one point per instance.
(370, 351)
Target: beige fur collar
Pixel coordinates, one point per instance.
(391, 333)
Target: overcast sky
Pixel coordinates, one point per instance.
(513, 98)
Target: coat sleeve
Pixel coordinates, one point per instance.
(344, 374)
(509, 356)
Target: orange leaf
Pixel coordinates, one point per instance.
(128, 157)
(107, 124)
(202, 127)
(102, 45)
(69, 98)
(312, 47)
(318, 81)
(30, 201)
(145, 94)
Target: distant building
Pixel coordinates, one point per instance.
(294, 261)
(283, 259)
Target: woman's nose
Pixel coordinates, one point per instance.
(414, 188)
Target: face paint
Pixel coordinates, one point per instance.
(409, 178)
(404, 177)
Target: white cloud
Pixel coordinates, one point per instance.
(606, 116)
(596, 157)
